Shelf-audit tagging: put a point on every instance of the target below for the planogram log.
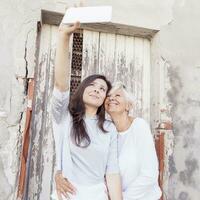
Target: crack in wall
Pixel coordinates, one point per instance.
(21, 122)
(26, 79)
(25, 82)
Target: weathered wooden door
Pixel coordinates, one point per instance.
(41, 152)
(119, 57)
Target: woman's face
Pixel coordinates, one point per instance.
(95, 93)
(116, 102)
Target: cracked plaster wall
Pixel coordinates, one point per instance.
(175, 51)
(18, 30)
(177, 45)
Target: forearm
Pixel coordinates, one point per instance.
(114, 186)
(62, 66)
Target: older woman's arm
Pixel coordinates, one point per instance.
(113, 179)
(148, 163)
(114, 186)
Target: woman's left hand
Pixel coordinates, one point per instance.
(63, 186)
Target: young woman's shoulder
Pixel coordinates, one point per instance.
(109, 126)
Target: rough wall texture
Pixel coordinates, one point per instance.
(177, 45)
(15, 64)
(175, 81)
(18, 35)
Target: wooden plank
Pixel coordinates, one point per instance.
(129, 57)
(54, 17)
(39, 113)
(48, 151)
(146, 80)
(42, 151)
(120, 60)
(107, 55)
(120, 29)
(51, 17)
(130, 74)
(138, 57)
(90, 53)
(42, 158)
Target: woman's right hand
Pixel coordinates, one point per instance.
(67, 30)
(63, 186)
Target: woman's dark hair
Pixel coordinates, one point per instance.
(77, 110)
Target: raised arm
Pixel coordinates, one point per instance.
(62, 67)
(60, 100)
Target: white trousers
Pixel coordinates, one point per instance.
(93, 192)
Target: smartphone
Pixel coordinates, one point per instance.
(96, 14)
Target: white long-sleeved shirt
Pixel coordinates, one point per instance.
(85, 166)
(138, 162)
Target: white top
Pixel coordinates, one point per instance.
(84, 166)
(138, 162)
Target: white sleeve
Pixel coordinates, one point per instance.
(148, 163)
(112, 166)
(59, 104)
(59, 109)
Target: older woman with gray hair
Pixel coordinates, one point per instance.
(136, 151)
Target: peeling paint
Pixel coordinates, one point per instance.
(172, 166)
(39, 182)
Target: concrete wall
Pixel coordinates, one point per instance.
(177, 47)
(175, 81)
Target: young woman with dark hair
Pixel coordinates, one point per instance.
(86, 144)
(77, 109)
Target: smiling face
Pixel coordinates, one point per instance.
(95, 93)
(116, 102)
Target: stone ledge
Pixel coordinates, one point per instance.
(54, 17)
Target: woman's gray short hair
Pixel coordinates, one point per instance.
(119, 85)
